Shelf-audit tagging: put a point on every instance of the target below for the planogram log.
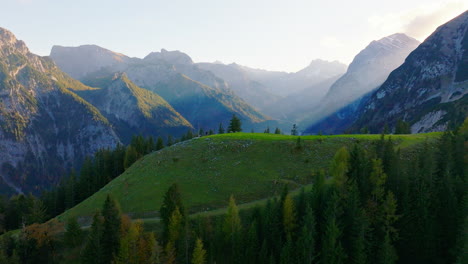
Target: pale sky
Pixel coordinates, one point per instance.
(269, 34)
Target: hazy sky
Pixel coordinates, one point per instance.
(277, 35)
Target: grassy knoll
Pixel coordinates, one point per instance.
(210, 169)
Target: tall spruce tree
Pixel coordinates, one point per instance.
(93, 251)
(172, 200)
(73, 234)
(232, 230)
(111, 231)
(305, 245)
(235, 125)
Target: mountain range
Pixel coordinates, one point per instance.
(55, 111)
(428, 91)
(198, 95)
(369, 69)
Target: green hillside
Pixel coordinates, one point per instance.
(210, 169)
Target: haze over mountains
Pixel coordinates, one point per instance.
(198, 95)
(369, 69)
(428, 91)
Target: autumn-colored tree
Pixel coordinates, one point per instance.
(199, 253)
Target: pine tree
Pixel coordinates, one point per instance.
(289, 216)
(73, 234)
(267, 130)
(93, 251)
(355, 226)
(294, 130)
(332, 252)
(201, 132)
(339, 167)
(251, 244)
(231, 230)
(131, 156)
(172, 200)
(277, 131)
(159, 144)
(110, 230)
(170, 140)
(287, 254)
(199, 253)
(305, 244)
(235, 125)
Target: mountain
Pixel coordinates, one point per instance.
(296, 106)
(198, 95)
(284, 84)
(369, 69)
(253, 92)
(45, 127)
(133, 110)
(429, 91)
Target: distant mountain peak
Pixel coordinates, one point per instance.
(395, 41)
(174, 57)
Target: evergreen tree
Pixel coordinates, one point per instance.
(110, 230)
(172, 200)
(339, 167)
(235, 125)
(159, 144)
(170, 140)
(93, 251)
(287, 254)
(402, 127)
(332, 252)
(277, 131)
(251, 244)
(201, 132)
(267, 130)
(355, 226)
(131, 156)
(289, 216)
(305, 245)
(231, 230)
(199, 253)
(73, 234)
(294, 130)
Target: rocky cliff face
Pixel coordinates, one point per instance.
(429, 90)
(44, 127)
(369, 69)
(198, 95)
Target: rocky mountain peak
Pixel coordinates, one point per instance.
(174, 57)
(9, 44)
